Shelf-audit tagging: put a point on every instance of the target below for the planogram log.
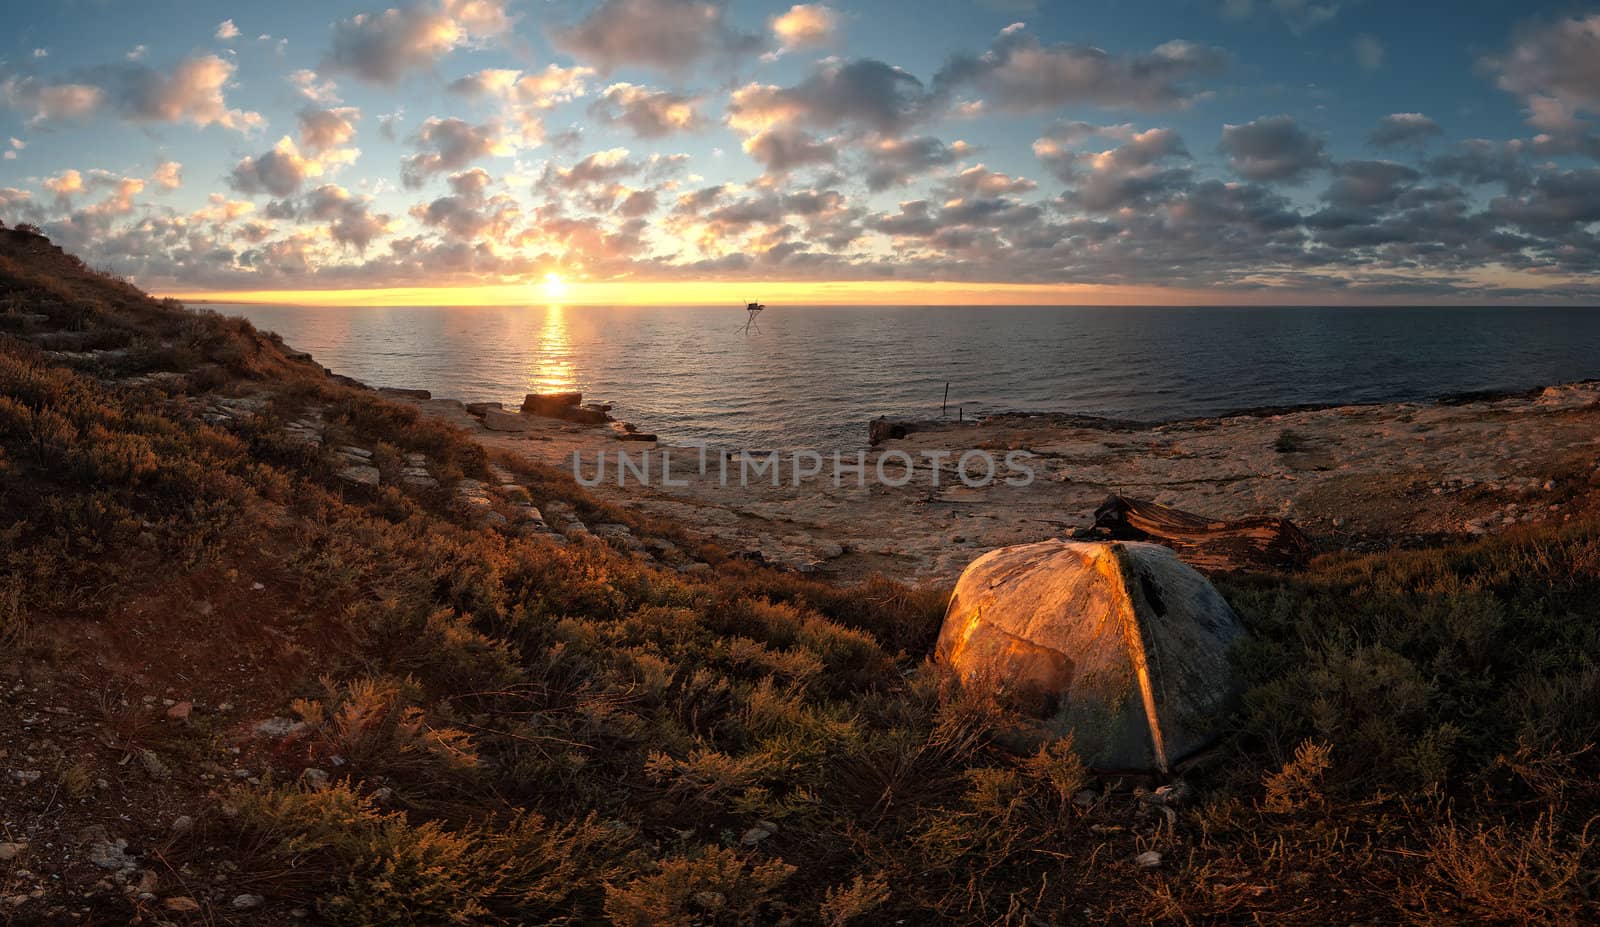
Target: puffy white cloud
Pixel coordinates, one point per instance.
(645, 112)
(65, 185)
(1272, 148)
(669, 35)
(524, 95)
(805, 25)
(168, 175)
(1019, 72)
(282, 170)
(227, 30)
(782, 150)
(382, 48)
(322, 129)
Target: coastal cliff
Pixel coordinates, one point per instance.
(276, 648)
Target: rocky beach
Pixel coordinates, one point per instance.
(1359, 477)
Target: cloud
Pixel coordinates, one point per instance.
(668, 35)
(525, 95)
(1272, 148)
(350, 219)
(168, 175)
(381, 48)
(980, 181)
(646, 113)
(863, 93)
(450, 145)
(227, 30)
(1148, 166)
(1398, 129)
(1019, 72)
(1368, 51)
(1299, 15)
(322, 129)
(284, 168)
(45, 102)
(1555, 67)
(1361, 184)
(805, 25)
(894, 162)
(600, 167)
(65, 185)
(782, 150)
(192, 92)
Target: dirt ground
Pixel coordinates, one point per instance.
(1354, 477)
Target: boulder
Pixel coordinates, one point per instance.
(567, 406)
(550, 404)
(496, 420)
(880, 430)
(404, 393)
(479, 408)
(1121, 645)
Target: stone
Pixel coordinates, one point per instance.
(246, 902)
(1121, 645)
(280, 727)
(180, 711)
(10, 851)
(479, 408)
(880, 430)
(1149, 859)
(496, 420)
(404, 393)
(359, 453)
(182, 824)
(761, 831)
(111, 855)
(360, 475)
(181, 904)
(548, 403)
(316, 778)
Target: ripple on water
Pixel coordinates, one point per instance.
(815, 376)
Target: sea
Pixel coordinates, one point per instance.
(813, 377)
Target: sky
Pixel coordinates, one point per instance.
(659, 151)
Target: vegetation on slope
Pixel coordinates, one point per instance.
(472, 724)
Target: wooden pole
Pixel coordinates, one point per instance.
(944, 407)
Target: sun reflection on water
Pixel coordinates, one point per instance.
(551, 367)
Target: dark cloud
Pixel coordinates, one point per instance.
(1019, 72)
(1361, 184)
(450, 145)
(1272, 148)
(669, 35)
(1401, 129)
(863, 94)
(894, 162)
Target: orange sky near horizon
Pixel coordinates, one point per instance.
(775, 293)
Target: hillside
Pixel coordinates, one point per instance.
(277, 650)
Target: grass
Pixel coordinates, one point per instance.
(532, 733)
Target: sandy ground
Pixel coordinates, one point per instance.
(1360, 477)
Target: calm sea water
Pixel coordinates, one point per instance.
(813, 377)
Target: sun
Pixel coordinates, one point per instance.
(554, 286)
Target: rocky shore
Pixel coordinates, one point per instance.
(1358, 477)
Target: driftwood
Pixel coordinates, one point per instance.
(1210, 545)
